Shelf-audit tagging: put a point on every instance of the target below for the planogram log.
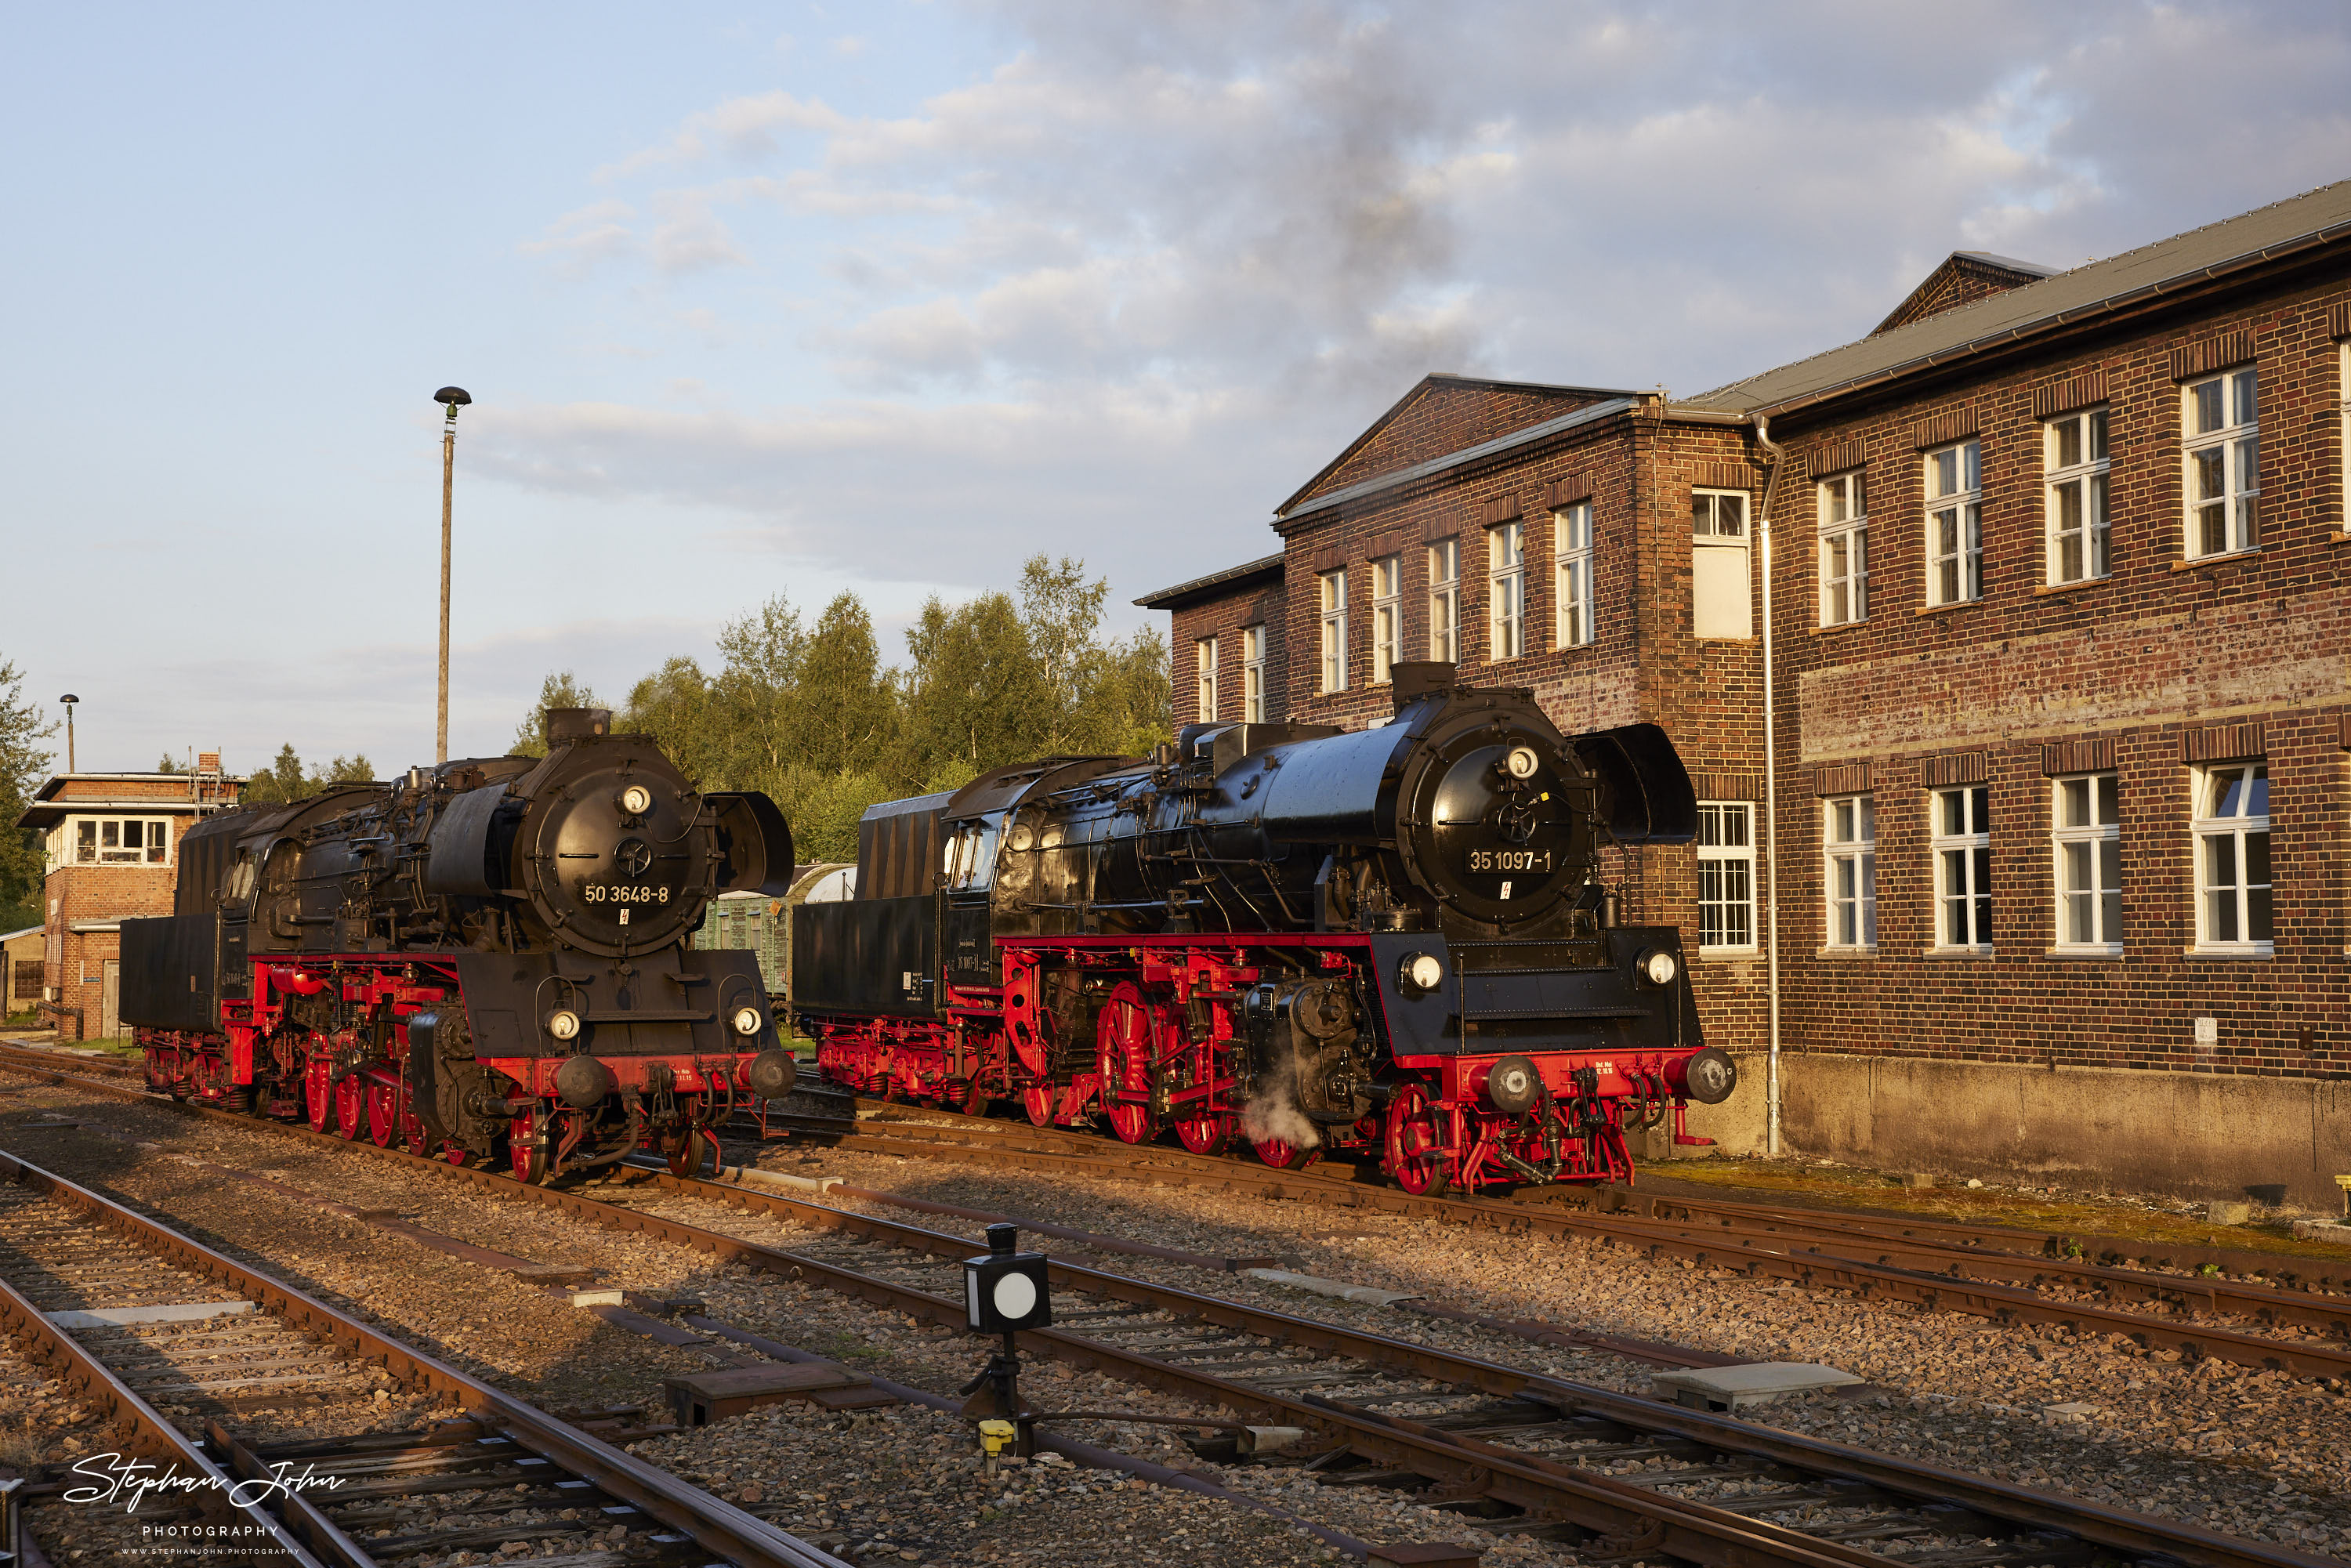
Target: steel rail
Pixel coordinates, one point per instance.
(92, 1380)
(717, 1525)
(1543, 1488)
(1940, 1287)
(1935, 1290)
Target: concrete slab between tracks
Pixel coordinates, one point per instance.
(2195, 1135)
(1370, 1295)
(165, 1312)
(1735, 1387)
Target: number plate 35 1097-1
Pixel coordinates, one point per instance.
(1507, 860)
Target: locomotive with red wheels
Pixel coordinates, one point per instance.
(484, 962)
(1389, 942)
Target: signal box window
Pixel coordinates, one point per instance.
(1962, 851)
(1726, 876)
(118, 841)
(1721, 598)
(1387, 616)
(1444, 601)
(1508, 563)
(1849, 832)
(2074, 452)
(1845, 550)
(2222, 434)
(1253, 675)
(1955, 524)
(1577, 598)
(1208, 656)
(1334, 588)
(2087, 813)
(2232, 861)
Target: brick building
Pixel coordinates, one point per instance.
(2008, 642)
(112, 843)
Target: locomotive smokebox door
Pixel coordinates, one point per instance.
(1005, 1291)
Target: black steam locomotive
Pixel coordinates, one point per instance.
(485, 961)
(1390, 940)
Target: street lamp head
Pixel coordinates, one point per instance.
(455, 397)
(69, 699)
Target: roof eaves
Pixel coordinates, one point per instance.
(2023, 331)
(1168, 598)
(1591, 413)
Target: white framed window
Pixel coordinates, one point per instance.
(2074, 454)
(1253, 675)
(1444, 601)
(1849, 839)
(1845, 550)
(2086, 815)
(112, 840)
(1507, 568)
(2232, 860)
(1726, 876)
(1206, 648)
(1721, 595)
(2221, 435)
(1955, 524)
(1961, 845)
(1334, 589)
(1387, 616)
(1578, 604)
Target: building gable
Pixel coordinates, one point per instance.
(1964, 277)
(1444, 414)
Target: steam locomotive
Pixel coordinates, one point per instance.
(1389, 941)
(483, 962)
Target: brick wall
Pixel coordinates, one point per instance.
(1224, 615)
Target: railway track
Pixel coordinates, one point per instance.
(160, 1333)
(2007, 1276)
(1526, 1453)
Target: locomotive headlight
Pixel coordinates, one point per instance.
(563, 1024)
(1421, 972)
(747, 1020)
(1659, 966)
(1521, 762)
(636, 800)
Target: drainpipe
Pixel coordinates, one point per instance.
(1771, 806)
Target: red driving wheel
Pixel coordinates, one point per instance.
(383, 1114)
(1416, 1156)
(1038, 1100)
(1126, 1041)
(1283, 1155)
(350, 1106)
(317, 1095)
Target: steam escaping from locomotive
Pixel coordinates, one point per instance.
(1392, 942)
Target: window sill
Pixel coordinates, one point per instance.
(2218, 558)
(2084, 950)
(2073, 587)
(2339, 536)
(2244, 950)
(1983, 952)
(1844, 951)
(1840, 626)
(1947, 609)
(1739, 952)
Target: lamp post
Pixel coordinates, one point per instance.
(69, 699)
(455, 398)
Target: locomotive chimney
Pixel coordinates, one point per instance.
(1413, 681)
(576, 723)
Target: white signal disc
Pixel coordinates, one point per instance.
(1016, 1296)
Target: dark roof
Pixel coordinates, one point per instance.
(1444, 378)
(2001, 271)
(1199, 587)
(2317, 218)
(1590, 414)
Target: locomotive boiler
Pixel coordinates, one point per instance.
(485, 961)
(1390, 940)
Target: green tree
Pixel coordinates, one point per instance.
(24, 761)
(168, 765)
(284, 781)
(560, 689)
(976, 695)
(673, 705)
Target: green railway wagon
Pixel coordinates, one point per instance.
(759, 924)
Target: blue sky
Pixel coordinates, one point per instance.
(793, 299)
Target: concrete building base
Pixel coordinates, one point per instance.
(2192, 1134)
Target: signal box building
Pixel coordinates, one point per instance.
(112, 843)
(2008, 643)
